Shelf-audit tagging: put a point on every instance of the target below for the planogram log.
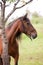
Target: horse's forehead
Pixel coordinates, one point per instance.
(27, 20)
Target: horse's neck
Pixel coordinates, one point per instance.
(13, 37)
(12, 30)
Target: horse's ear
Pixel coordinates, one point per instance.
(25, 16)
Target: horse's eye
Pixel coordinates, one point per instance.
(27, 23)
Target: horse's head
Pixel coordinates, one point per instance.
(27, 27)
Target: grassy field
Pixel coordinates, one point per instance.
(31, 52)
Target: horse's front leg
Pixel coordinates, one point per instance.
(1, 63)
(16, 62)
(16, 59)
(9, 59)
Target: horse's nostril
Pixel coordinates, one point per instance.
(34, 36)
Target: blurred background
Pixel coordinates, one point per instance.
(31, 52)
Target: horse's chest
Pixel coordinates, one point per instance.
(13, 48)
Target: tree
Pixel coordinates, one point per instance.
(3, 20)
(35, 14)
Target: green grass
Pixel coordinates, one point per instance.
(31, 52)
(37, 20)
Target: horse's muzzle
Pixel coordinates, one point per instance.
(33, 35)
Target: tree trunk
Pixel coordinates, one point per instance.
(5, 56)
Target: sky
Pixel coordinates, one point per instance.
(35, 5)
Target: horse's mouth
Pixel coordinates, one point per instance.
(32, 36)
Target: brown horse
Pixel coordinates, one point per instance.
(13, 31)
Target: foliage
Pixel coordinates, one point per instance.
(35, 14)
(37, 19)
(11, 0)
